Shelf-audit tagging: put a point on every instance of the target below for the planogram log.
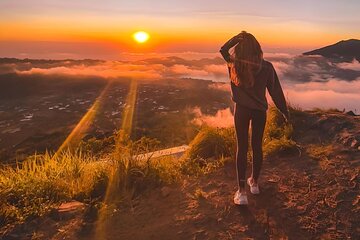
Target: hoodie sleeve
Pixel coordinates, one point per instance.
(276, 92)
(224, 50)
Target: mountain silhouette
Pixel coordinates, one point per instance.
(345, 50)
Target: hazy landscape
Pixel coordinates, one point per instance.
(49, 105)
(43, 99)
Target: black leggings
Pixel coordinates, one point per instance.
(242, 117)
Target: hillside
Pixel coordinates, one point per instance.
(309, 193)
(163, 110)
(345, 50)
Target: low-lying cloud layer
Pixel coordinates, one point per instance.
(308, 81)
(148, 69)
(223, 118)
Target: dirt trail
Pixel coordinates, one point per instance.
(202, 210)
(293, 204)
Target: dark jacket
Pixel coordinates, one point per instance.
(254, 97)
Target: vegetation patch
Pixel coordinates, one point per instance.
(37, 184)
(43, 181)
(212, 142)
(278, 134)
(219, 143)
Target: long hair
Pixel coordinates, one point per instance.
(247, 59)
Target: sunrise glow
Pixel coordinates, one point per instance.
(93, 30)
(141, 37)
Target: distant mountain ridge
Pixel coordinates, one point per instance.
(345, 50)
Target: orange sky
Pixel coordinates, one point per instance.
(174, 26)
(287, 34)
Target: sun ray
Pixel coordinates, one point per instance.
(73, 139)
(112, 191)
(128, 114)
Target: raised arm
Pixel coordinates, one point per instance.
(277, 94)
(224, 50)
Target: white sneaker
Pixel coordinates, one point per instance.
(240, 198)
(254, 188)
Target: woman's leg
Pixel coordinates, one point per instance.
(257, 132)
(241, 120)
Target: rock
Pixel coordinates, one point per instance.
(165, 191)
(351, 113)
(70, 206)
(67, 210)
(355, 143)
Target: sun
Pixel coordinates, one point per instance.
(141, 36)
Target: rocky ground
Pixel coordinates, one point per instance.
(313, 194)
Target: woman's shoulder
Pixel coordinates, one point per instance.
(267, 64)
(268, 67)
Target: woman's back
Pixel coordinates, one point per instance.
(265, 77)
(255, 97)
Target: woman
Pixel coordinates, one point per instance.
(250, 76)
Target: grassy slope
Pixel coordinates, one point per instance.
(42, 181)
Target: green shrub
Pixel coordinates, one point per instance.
(97, 146)
(212, 142)
(278, 134)
(199, 166)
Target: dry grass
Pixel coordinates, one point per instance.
(212, 142)
(320, 153)
(41, 182)
(38, 183)
(327, 110)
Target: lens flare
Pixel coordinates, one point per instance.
(73, 139)
(113, 193)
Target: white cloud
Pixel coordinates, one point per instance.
(324, 99)
(354, 65)
(221, 86)
(223, 118)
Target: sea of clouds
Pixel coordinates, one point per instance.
(308, 81)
